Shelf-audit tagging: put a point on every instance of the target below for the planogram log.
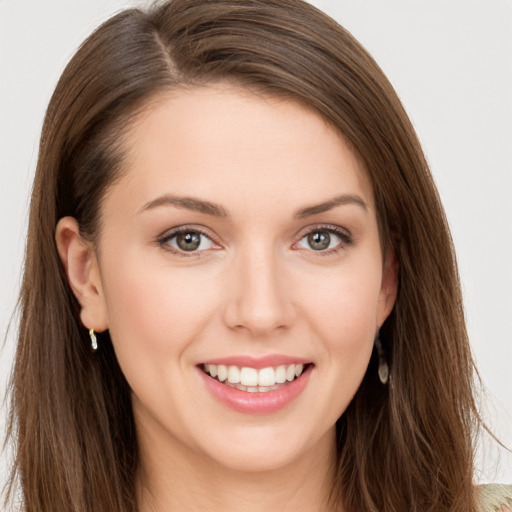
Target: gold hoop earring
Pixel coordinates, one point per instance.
(94, 341)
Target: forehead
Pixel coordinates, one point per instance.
(231, 142)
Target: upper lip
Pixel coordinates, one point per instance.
(257, 362)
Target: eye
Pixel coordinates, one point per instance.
(188, 241)
(323, 239)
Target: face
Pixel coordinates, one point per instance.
(241, 245)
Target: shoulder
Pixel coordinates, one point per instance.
(495, 498)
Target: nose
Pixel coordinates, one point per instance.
(259, 300)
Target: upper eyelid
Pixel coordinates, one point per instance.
(172, 232)
(164, 242)
(323, 227)
(345, 238)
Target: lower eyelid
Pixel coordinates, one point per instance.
(339, 244)
(200, 243)
(344, 237)
(164, 241)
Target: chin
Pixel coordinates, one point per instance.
(260, 460)
(262, 450)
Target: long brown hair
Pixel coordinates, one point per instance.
(405, 446)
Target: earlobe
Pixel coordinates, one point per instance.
(80, 262)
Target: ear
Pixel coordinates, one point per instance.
(79, 259)
(389, 287)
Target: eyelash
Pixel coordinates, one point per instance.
(164, 240)
(346, 239)
(344, 236)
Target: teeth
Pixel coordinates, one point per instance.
(222, 372)
(267, 377)
(252, 380)
(252, 389)
(280, 374)
(233, 374)
(248, 376)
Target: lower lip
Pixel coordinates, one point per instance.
(257, 403)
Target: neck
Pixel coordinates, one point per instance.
(181, 479)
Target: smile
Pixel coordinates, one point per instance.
(255, 389)
(253, 380)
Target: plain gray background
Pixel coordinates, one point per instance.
(451, 63)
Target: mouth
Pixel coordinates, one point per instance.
(254, 380)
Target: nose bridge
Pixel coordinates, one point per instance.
(259, 301)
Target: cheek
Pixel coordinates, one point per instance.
(347, 329)
(155, 316)
(344, 305)
(342, 311)
(159, 308)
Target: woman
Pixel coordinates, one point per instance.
(228, 300)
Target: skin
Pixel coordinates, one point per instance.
(254, 287)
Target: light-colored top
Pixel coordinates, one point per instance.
(495, 498)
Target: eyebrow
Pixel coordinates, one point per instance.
(216, 210)
(189, 203)
(343, 199)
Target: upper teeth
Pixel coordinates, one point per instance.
(248, 376)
